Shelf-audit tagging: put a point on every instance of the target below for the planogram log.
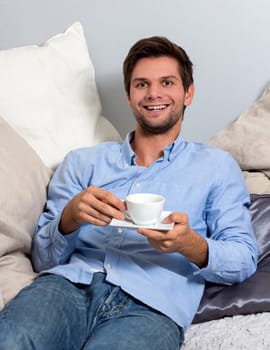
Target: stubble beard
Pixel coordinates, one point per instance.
(162, 128)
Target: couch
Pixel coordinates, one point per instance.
(49, 104)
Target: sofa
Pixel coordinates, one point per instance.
(49, 104)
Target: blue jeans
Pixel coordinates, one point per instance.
(53, 313)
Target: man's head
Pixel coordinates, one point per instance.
(157, 46)
(159, 85)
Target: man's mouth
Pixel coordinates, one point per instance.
(156, 107)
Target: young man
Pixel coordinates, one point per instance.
(112, 287)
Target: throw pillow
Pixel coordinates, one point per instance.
(48, 95)
(252, 295)
(247, 138)
(23, 182)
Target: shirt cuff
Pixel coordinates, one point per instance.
(65, 244)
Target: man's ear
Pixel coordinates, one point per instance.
(189, 95)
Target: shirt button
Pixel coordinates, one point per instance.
(138, 184)
(108, 266)
(119, 230)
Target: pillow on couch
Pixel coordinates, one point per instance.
(48, 95)
(252, 295)
(23, 182)
(247, 138)
(257, 182)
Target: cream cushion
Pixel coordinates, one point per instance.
(48, 95)
(257, 182)
(248, 140)
(23, 181)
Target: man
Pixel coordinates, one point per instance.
(113, 287)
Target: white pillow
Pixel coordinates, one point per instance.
(48, 95)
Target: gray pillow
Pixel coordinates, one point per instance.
(252, 295)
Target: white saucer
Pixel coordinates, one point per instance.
(158, 226)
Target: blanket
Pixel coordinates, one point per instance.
(239, 332)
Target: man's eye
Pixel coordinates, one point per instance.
(167, 83)
(141, 85)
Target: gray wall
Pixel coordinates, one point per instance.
(227, 40)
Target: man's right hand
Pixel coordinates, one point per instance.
(94, 206)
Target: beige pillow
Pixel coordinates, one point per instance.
(23, 183)
(48, 95)
(248, 138)
(257, 182)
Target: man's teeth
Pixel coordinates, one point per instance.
(156, 108)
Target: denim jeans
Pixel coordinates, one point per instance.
(52, 313)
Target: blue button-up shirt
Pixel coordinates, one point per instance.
(204, 182)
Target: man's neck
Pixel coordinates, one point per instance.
(149, 148)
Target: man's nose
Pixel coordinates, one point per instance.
(154, 91)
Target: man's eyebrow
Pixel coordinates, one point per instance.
(140, 79)
(170, 77)
(161, 78)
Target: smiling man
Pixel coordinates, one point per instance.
(102, 286)
(157, 96)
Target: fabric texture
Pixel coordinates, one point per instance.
(249, 332)
(48, 95)
(23, 181)
(251, 296)
(127, 257)
(247, 139)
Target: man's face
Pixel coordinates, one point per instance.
(157, 95)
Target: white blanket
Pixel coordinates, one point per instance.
(250, 332)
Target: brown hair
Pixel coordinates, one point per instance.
(157, 46)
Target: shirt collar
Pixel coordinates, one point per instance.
(170, 151)
(128, 153)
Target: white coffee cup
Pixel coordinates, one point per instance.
(145, 208)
